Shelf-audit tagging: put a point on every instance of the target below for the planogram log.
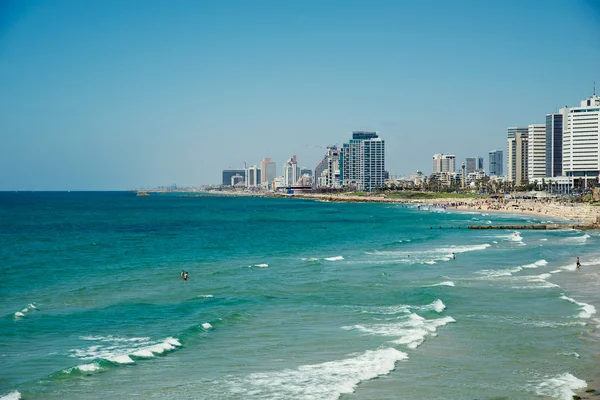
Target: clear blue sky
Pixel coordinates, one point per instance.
(102, 94)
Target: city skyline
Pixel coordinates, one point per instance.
(106, 95)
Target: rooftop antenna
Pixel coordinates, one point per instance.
(594, 88)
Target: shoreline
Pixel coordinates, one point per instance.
(580, 213)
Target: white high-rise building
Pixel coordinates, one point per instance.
(291, 172)
(327, 173)
(581, 141)
(516, 165)
(536, 152)
(444, 163)
(362, 161)
(252, 176)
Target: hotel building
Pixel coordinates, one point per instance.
(228, 174)
(581, 146)
(268, 172)
(496, 162)
(362, 161)
(327, 173)
(517, 155)
(554, 143)
(536, 152)
(443, 163)
(291, 172)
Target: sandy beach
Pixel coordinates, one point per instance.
(582, 213)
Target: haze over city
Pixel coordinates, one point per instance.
(108, 95)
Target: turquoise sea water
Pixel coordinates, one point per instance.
(288, 299)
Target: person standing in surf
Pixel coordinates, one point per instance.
(578, 263)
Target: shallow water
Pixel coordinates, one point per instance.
(287, 299)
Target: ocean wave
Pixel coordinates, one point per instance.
(498, 273)
(85, 368)
(336, 258)
(424, 256)
(328, 380)
(11, 396)
(587, 310)
(21, 314)
(119, 350)
(264, 265)
(560, 387)
(446, 283)
(539, 263)
(536, 282)
(577, 240)
(410, 331)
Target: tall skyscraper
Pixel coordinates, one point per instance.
(267, 172)
(536, 152)
(554, 142)
(581, 141)
(291, 172)
(362, 161)
(444, 163)
(470, 164)
(517, 155)
(496, 161)
(480, 164)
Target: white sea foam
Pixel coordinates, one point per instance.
(207, 326)
(84, 368)
(544, 239)
(336, 258)
(22, 313)
(560, 387)
(206, 296)
(122, 359)
(536, 264)
(410, 331)
(438, 306)
(262, 265)
(497, 273)
(570, 267)
(571, 354)
(384, 310)
(535, 282)
(587, 310)
(120, 350)
(425, 256)
(11, 396)
(447, 283)
(328, 380)
(577, 240)
(464, 249)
